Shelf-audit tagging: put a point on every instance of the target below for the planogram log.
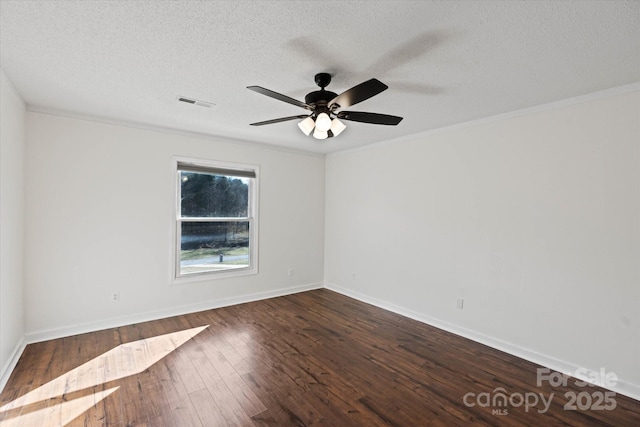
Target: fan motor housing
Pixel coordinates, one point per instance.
(319, 98)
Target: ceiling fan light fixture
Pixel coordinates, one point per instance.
(337, 127)
(324, 107)
(307, 125)
(323, 122)
(319, 134)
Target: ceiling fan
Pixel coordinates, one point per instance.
(326, 107)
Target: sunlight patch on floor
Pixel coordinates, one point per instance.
(60, 414)
(122, 361)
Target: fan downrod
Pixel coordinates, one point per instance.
(323, 80)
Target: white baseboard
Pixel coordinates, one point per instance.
(623, 387)
(50, 334)
(8, 368)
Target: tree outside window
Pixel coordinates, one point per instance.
(216, 219)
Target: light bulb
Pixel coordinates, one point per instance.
(323, 122)
(318, 134)
(337, 127)
(306, 126)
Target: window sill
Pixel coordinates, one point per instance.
(210, 276)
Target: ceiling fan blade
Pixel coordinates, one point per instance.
(373, 118)
(282, 119)
(279, 96)
(358, 93)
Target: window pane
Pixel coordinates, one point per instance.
(214, 246)
(208, 195)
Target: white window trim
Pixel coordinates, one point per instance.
(254, 192)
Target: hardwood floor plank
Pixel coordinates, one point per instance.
(133, 405)
(227, 404)
(297, 408)
(184, 413)
(208, 411)
(247, 399)
(181, 364)
(8, 395)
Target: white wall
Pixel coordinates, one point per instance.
(12, 147)
(99, 215)
(534, 221)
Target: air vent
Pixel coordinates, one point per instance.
(197, 102)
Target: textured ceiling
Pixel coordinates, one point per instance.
(444, 62)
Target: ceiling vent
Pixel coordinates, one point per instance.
(197, 102)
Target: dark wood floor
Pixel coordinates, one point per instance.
(314, 358)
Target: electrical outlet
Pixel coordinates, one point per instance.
(460, 304)
(115, 297)
(353, 275)
(290, 272)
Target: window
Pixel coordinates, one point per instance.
(215, 219)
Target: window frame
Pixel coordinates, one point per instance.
(252, 218)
